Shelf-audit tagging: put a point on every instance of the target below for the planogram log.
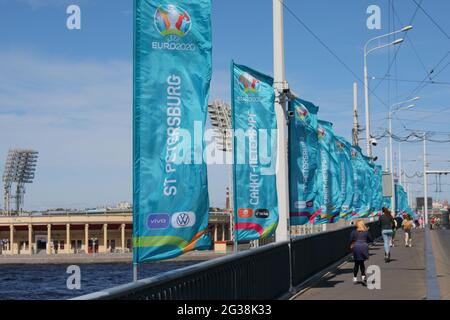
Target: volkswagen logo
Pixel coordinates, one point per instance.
(183, 219)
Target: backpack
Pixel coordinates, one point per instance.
(407, 226)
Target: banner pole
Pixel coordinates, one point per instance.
(281, 88)
(233, 171)
(135, 272)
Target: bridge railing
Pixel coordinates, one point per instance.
(267, 272)
(237, 277)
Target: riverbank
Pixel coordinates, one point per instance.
(99, 258)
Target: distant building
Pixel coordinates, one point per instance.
(124, 205)
(93, 230)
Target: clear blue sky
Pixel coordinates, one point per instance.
(68, 93)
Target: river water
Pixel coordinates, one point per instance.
(48, 282)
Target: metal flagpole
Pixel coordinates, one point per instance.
(400, 182)
(355, 115)
(425, 180)
(391, 169)
(386, 158)
(135, 272)
(366, 99)
(281, 88)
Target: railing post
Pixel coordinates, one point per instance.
(291, 269)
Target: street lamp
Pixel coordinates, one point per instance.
(395, 108)
(366, 77)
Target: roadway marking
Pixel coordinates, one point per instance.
(433, 292)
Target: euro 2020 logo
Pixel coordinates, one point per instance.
(321, 133)
(302, 112)
(172, 20)
(340, 146)
(248, 83)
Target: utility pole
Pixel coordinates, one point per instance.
(391, 165)
(425, 180)
(281, 89)
(366, 99)
(400, 164)
(355, 115)
(386, 158)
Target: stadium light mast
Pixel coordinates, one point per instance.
(281, 90)
(20, 168)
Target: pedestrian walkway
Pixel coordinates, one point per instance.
(404, 278)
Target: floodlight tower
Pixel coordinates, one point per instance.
(19, 169)
(220, 115)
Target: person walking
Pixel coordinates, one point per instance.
(360, 239)
(394, 231)
(387, 223)
(407, 226)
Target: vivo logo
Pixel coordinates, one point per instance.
(158, 221)
(183, 219)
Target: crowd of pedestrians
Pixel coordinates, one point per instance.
(360, 239)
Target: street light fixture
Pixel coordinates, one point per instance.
(395, 108)
(366, 77)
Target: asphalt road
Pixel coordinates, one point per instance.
(441, 248)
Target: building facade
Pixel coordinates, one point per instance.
(74, 232)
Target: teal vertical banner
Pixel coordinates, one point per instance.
(386, 203)
(377, 191)
(368, 192)
(254, 124)
(172, 73)
(328, 177)
(401, 200)
(359, 182)
(303, 161)
(347, 184)
(403, 207)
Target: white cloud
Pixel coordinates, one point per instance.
(78, 115)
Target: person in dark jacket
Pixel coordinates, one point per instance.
(360, 239)
(387, 224)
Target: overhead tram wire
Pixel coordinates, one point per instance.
(431, 75)
(424, 118)
(415, 136)
(310, 31)
(432, 19)
(415, 81)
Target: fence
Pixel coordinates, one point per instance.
(267, 272)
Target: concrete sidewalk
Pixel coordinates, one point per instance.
(404, 278)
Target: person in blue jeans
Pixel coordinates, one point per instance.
(387, 223)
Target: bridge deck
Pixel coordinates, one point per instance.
(409, 276)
